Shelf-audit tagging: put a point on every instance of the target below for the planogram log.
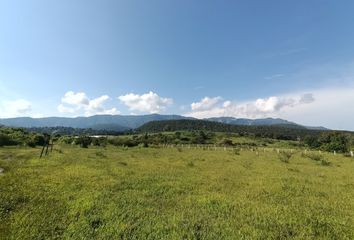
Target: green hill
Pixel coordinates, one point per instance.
(286, 132)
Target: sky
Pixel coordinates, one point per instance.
(244, 59)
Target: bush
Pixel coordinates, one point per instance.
(285, 156)
(236, 151)
(31, 143)
(312, 141)
(5, 140)
(313, 156)
(227, 142)
(38, 140)
(190, 164)
(317, 158)
(126, 142)
(83, 141)
(100, 141)
(335, 141)
(325, 162)
(100, 154)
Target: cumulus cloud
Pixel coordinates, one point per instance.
(79, 102)
(262, 107)
(16, 108)
(206, 103)
(65, 109)
(149, 102)
(72, 98)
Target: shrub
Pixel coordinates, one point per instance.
(5, 140)
(83, 141)
(190, 164)
(325, 162)
(38, 140)
(314, 156)
(317, 158)
(100, 141)
(100, 154)
(312, 141)
(236, 151)
(227, 142)
(335, 141)
(285, 156)
(31, 143)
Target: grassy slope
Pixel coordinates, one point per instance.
(171, 194)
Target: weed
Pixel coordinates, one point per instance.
(285, 156)
(190, 164)
(236, 151)
(325, 162)
(313, 156)
(100, 154)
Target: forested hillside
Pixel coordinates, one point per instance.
(285, 132)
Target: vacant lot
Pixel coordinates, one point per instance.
(174, 193)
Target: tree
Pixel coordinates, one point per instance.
(5, 140)
(335, 141)
(312, 141)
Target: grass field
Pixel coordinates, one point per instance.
(173, 193)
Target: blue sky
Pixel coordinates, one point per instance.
(289, 59)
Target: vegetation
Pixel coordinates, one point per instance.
(74, 131)
(330, 141)
(174, 193)
(19, 136)
(285, 156)
(284, 132)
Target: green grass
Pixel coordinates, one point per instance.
(171, 193)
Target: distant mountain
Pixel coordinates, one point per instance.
(109, 127)
(112, 122)
(252, 122)
(261, 122)
(316, 128)
(119, 123)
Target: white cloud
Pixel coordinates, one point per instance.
(331, 107)
(149, 102)
(16, 108)
(112, 111)
(206, 103)
(63, 109)
(96, 104)
(79, 102)
(72, 98)
(262, 107)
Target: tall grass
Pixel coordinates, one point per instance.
(161, 193)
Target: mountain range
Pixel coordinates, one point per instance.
(126, 122)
